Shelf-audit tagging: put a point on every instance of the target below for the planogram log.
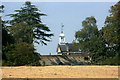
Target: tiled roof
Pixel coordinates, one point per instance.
(72, 47)
(63, 48)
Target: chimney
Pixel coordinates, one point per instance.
(74, 41)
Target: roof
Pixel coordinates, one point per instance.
(71, 47)
(63, 48)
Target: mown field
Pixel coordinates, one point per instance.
(60, 72)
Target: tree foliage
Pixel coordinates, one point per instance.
(1, 8)
(7, 39)
(112, 32)
(25, 28)
(22, 32)
(91, 40)
(103, 45)
(18, 48)
(89, 30)
(31, 16)
(112, 27)
(20, 54)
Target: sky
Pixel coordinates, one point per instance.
(71, 14)
(60, 0)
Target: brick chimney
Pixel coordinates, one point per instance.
(74, 41)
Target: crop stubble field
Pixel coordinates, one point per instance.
(60, 72)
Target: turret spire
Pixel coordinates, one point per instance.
(62, 28)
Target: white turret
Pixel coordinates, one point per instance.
(62, 36)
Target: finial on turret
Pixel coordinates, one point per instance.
(62, 28)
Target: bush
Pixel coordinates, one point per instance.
(21, 54)
(43, 63)
(112, 61)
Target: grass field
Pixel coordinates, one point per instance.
(60, 72)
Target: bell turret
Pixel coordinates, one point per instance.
(62, 36)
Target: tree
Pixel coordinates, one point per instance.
(30, 15)
(91, 40)
(15, 48)
(103, 45)
(21, 54)
(1, 8)
(112, 33)
(112, 27)
(7, 39)
(97, 48)
(22, 32)
(89, 30)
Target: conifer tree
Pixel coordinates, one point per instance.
(31, 16)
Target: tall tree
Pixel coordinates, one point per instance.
(6, 39)
(91, 40)
(1, 9)
(112, 32)
(89, 30)
(21, 53)
(97, 48)
(22, 32)
(112, 27)
(30, 15)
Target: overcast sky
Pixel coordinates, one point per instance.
(71, 14)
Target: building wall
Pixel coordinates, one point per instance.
(64, 59)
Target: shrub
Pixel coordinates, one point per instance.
(21, 54)
(43, 63)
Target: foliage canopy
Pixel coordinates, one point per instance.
(31, 16)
